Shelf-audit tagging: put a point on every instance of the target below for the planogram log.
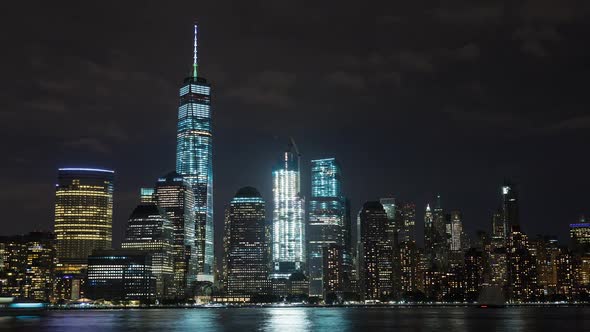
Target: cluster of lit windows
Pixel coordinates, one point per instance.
(325, 178)
(194, 162)
(83, 212)
(376, 262)
(174, 194)
(27, 264)
(288, 218)
(194, 88)
(245, 246)
(121, 277)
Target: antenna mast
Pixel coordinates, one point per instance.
(195, 65)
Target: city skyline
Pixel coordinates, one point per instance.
(364, 179)
(349, 218)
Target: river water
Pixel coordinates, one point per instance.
(285, 319)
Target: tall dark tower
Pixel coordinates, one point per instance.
(194, 160)
(509, 208)
(246, 244)
(375, 254)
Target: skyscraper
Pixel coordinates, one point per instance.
(375, 255)
(83, 215)
(394, 219)
(440, 241)
(333, 268)
(406, 251)
(245, 244)
(521, 272)
(194, 160)
(580, 236)
(326, 218)
(429, 233)
(509, 207)
(473, 273)
(173, 194)
(394, 227)
(150, 231)
(456, 231)
(288, 226)
(408, 222)
(498, 231)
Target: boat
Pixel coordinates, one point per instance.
(10, 306)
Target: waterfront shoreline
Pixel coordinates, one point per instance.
(358, 306)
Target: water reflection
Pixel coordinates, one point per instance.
(285, 319)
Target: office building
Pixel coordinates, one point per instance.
(580, 237)
(288, 225)
(26, 266)
(175, 196)
(473, 276)
(246, 245)
(150, 231)
(456, 231)
(121, 275)
(83, 215)
(509, 210)
(333, 273)
(522, 276)
(326, 218)
(440, 247)
(146, 196)
(194, 160)
(375, 254)
(407, 228)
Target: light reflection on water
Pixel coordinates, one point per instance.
(285, 319)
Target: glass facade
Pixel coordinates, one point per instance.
(146, 195)
(194, 161)
(288, 227)
(83, 215)
(325, 220)
(150, 231)
(245, 245)
(121, 275)
(173, 194)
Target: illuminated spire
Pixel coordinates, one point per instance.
(195, 65)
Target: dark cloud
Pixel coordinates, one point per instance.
(535, 39)
(415, 61)
(414, 98)
(88, 143)
(554, 11)
(269, 88)
(467, 52)
(346, 80)
(469, 12)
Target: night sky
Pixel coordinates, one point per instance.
(414, 98)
